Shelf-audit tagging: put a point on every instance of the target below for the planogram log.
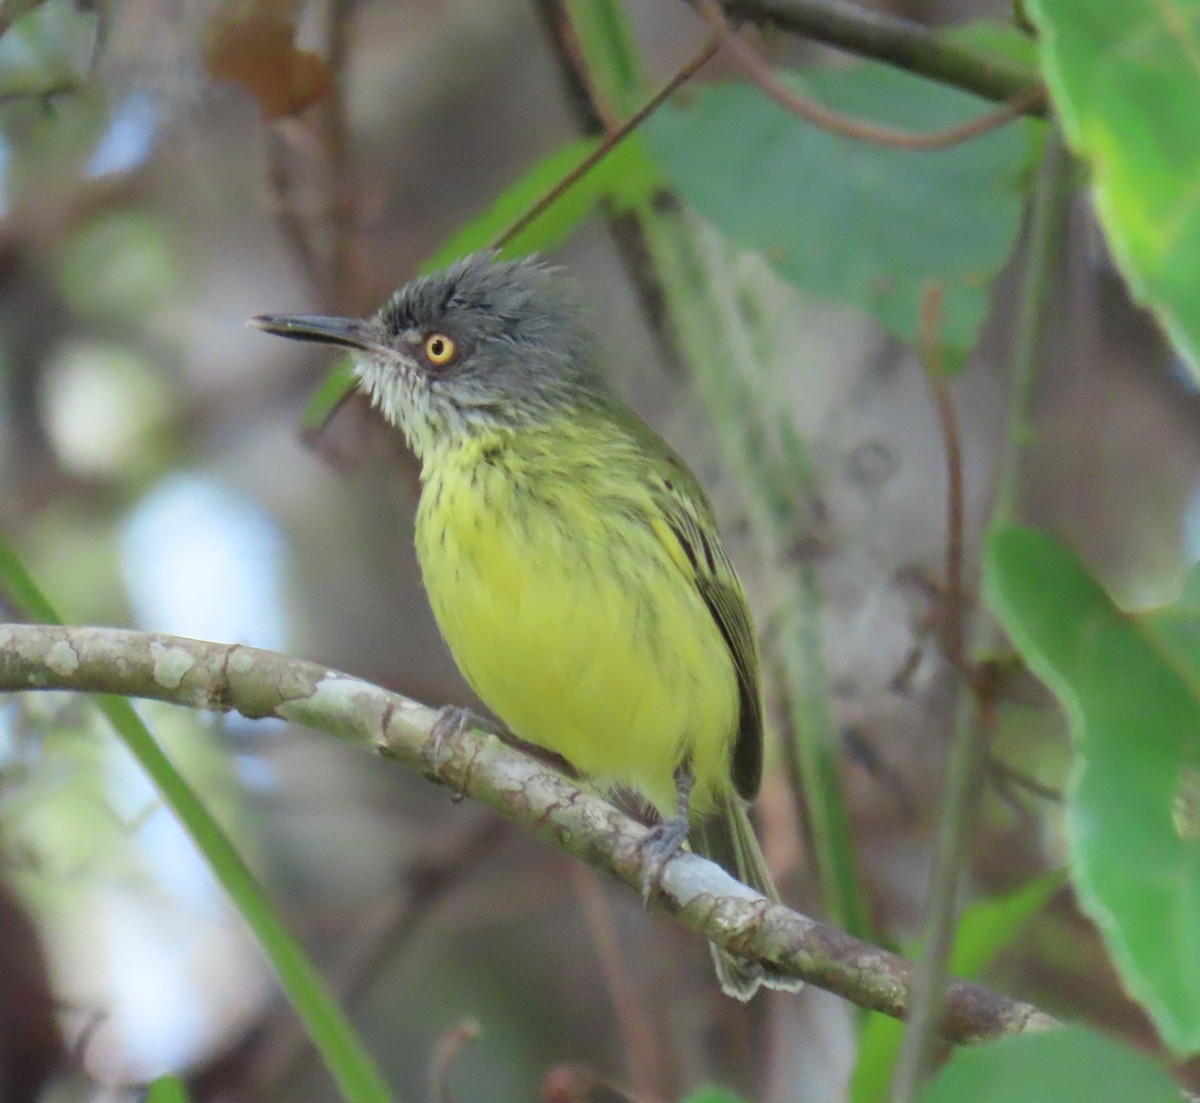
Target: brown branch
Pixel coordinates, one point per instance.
(760, 71)
(953, 595)
(643, 1046)
(592, 115)
(866, 32)
(335, 140)
(974, 726)
(444, 1052)
(1002, 773)
(699, 894)
(321, 238)
(282, 202)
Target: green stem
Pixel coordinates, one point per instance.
(1046, 229)
(968, 749)
(614, 62)
(898, 42)
(332, 1034)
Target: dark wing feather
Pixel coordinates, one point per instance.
(718, 585)
(684, 508)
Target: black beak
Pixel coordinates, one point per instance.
(348, 332)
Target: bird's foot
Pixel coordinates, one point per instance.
(451, 722)
(659, 845)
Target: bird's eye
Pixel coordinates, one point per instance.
(439, 349)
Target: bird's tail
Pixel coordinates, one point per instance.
(727, 838)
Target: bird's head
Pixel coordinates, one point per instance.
(482, 346)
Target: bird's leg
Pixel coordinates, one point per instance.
(663, 841)
(452, 721)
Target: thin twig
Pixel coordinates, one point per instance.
(1019, 779)
(643, 1046)
(698, 893)
(340, 196)
(282, 202)
(1046, 233)
(760, 71)
(575, 1083)
(613, 138)
(444, 1052)
(975, 725)
(592, 114)
(46, 95)
(953, 597)
(976, 716)
(884, 37)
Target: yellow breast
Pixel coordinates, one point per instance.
(564, 609)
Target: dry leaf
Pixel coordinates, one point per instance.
(254, 45)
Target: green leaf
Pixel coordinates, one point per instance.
(328, 396)
(122, 264)
(167, 1089)
(610, 52)
(624, 177)
(1071, 1065)
(989, 926)
(857, 223)
(1134, 709)
(985, 929)
(1125, 78)
(714, 1095)
(18, 589)
(1178, 625)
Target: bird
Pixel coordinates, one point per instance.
(571, 558)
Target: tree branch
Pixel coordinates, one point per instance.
(702, 896)
(898, 42)
(762, 73)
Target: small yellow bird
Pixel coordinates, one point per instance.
(571, 558)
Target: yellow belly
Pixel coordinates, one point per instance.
(578, 630)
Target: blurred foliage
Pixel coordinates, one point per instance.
(1125, 81)
(713, 1095)
(123, 264)
(1071, 1065)
(1133, 810)
(167, 1089)
(1002, 42)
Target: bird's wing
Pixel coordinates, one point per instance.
(688, 522)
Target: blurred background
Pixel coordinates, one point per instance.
(158, 185)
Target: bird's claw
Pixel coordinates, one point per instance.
(451, 722)
(659, 845)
